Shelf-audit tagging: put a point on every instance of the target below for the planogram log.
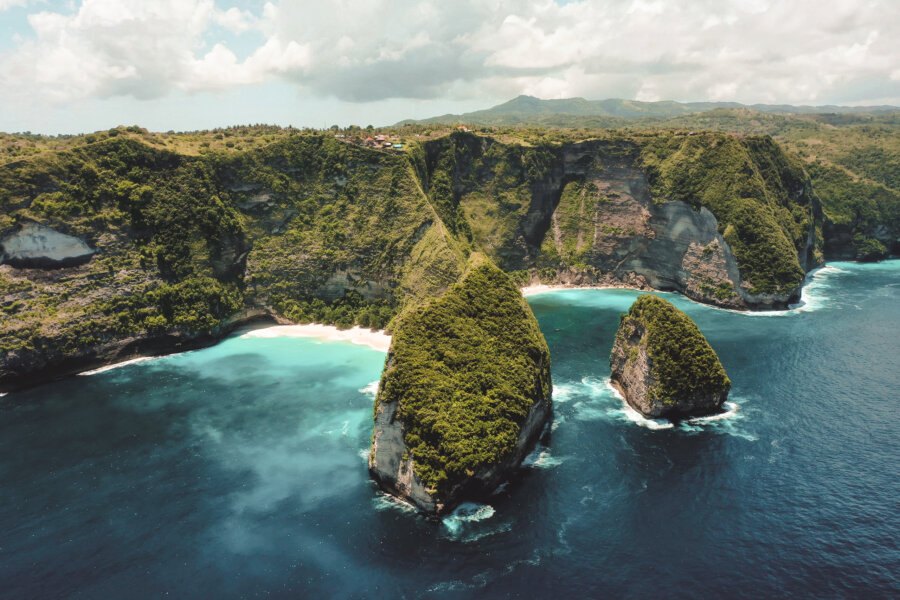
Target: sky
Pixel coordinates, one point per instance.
(73, 66)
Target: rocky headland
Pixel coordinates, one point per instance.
(663, 365)
(465, 394)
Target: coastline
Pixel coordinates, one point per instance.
(374, 339)
(259, 324)
(127, 352)
(533, 290)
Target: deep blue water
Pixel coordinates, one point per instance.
(239, 471)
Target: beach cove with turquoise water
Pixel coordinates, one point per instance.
(240, 471)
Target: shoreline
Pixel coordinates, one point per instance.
(535, 290)
(371, 338)
(127, 352)
(376, 339)
(258, 324)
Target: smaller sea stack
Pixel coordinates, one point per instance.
(663, 365)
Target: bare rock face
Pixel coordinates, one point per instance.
(36, 246)
(663, 365)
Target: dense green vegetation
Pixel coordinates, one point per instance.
(755, 190)
(683, 364)
(466, 369)
(759, 194)
(852, 154)
(304, 226)
(195, 229)
(482, 188)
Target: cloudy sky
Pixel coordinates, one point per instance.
(69, 66)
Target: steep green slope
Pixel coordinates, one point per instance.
(852, 153)
(853, 161)
(759, 194)
(466, 369)
(552, 207)
(306, 228)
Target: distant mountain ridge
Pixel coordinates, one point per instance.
(528, 110)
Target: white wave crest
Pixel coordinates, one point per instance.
(465, 514)
(731, 409)
(540, 458)
(383, 501)
(117, 365)
(632, 415)
(371, 389)
(562, 392)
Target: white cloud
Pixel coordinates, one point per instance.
(6, 4)
(805, 51)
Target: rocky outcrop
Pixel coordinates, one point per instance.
(394, 470)
(464, 397)
(663, 365)
(35, 246)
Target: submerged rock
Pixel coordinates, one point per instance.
(663, 365)
(464, 396)
(36, 246)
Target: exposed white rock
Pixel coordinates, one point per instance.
(38, 246)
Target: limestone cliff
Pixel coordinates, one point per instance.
(118, 248)
(726, 221)
(465, 394)
(663, 365)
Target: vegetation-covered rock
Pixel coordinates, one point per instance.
(663, 365)
(465, 392)
(300, 227)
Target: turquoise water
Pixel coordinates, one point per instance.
(239, 471)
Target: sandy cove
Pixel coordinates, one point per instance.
(377, 340)
(532, 290)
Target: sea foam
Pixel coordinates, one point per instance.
(370, 390)
(464, 515)
(118, 365)
(540, 458)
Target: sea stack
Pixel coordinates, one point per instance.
(465, 394)
(663, 365)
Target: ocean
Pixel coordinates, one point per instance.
(239, 471)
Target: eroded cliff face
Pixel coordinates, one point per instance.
(121, 249)
(620, 231)
(585, 214)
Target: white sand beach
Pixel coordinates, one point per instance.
(377, 340)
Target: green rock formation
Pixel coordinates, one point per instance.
(663, 365)
(465, 392)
